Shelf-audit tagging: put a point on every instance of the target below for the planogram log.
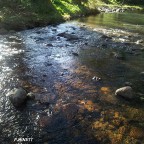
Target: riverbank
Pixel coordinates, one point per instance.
(18, 16)
(24, 15)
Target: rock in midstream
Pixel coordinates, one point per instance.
(17, 96)
(68, 36)
(125, 92)
(31, 96)
(139, 41)
(75, 54)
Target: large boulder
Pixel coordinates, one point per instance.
(125, 92)
(17, 96)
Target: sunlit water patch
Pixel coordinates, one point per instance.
(13, 123)
(128, 21)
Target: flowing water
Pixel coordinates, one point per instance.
(59, 65)
(127, 21)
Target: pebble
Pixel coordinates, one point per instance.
(96, 78)
(139, 41)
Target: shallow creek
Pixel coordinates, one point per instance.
(58, 65)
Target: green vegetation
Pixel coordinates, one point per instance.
(23, 14)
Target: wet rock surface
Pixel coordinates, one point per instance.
(17, 96)
(125, 92)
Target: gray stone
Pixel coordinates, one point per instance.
(31, 95)
(118, 10)
(68, 36)
(49, 44)
(119, 56)
(128, 84)
(17, 96)
(105, 36)
(75, 54)
(12, 31)
(38, 32)
(125, 92)
(61, 34)
(139, 41)
(70, 110)
(54, 29)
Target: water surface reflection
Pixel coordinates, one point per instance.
(57, 64)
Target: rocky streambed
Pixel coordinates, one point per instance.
(117, 9)
(71, 72)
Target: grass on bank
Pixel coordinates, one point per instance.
(27, 14)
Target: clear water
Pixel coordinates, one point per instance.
(128, 21)
(44, 63)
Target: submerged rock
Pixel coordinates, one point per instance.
(49, 44)
(3, 31)
(120, 56)
(118, 10)
(68, 36)
(125, 92)
(139, 41)
(75, 54)
(106, 37)
(17, 96)
(54, 29)
(31, 95)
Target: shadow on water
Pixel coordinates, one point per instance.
(57, 64)
(28, 14)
